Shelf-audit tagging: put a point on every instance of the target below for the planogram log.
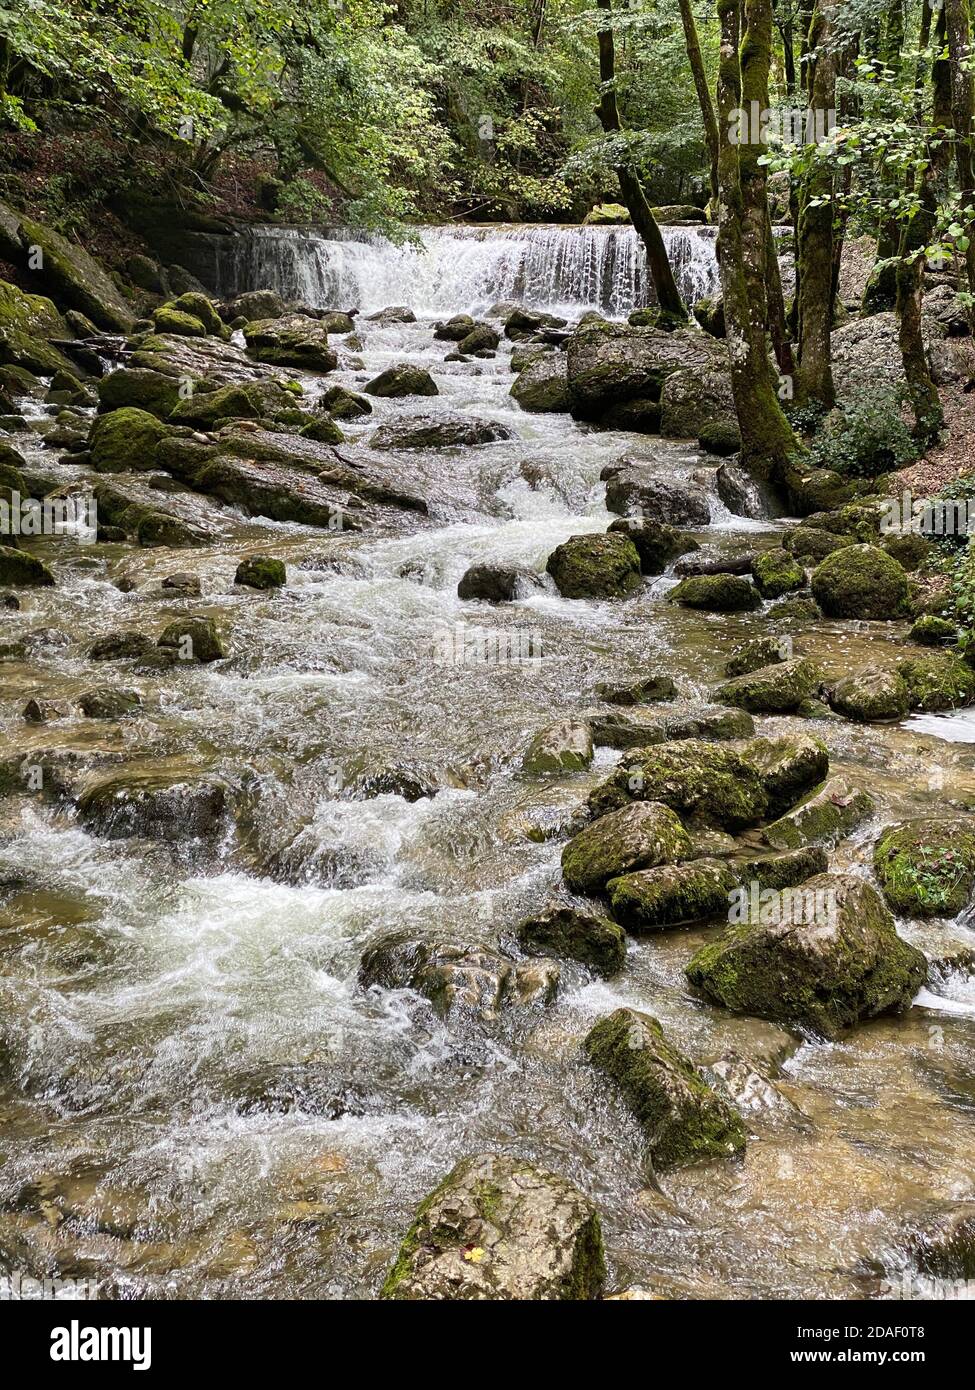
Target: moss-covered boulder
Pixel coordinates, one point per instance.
(639, 727)
(193, 640)
(240, 400)
(716, 593)
(911, 551)
(542, 386)
(63, 269)
(708, 784)
(202, 308)
(293, 341)
(499, 1229)
(559, 748)
(141, 387)
(120, 646)
(811, 545)
(788, 766)
(168, 319)
(657, 543)
(18, 570)
(861, 581)
(443, 431)
(937, 680)
(643, 691)
(830, 959)
(671, 895)
(641, 835)
(109, 702)
(463, 982)
(403, 379)
(27, 321)
(575, 934)
(124, 441)
(772, 689)
(757, 653)
(926, 868)
(828, 814)
(776, 573)
(793, 610)
(599, 566)
(685, 1121)
(781, 868)
(343, 404)
(870, 696)
(261, 572)
(170, 806)
(931, 631)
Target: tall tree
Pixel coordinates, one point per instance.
(708, 118)
(768, 441)
(631, 189)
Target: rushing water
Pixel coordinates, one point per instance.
(451, 270)
(197, 1098)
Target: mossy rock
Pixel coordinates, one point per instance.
(910, 550)
(716, 593)
(167, 319)
(794, 610)
(861, 581)
(720, 437)
(870, 696)
(830, 812)
(781, 868)
(932, 631)
(657, 542)
(759, 652)
(776, 573)
(27, 321)
(202, 308)
(830, 959)
(772, 689)
(671, 895)
(140, 387)
(577, 934)
(812, 544)
(320, 428)
(18, 570)
(926, 867)
(644, 691)
(788, 766)
(705, 783)
(498, 1229)
(261, 572)
(599, 566)
(639, 727)
(559, 748)
(403, 379)
(937, 681)
(124, 441)
(194, 640)
(241, 400)
(343, 404)
(684, 1120)
(109, 702)
(637, 836)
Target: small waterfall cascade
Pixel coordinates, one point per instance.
(449, 270)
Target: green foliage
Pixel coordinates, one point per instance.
(864, 438)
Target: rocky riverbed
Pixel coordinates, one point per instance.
(387, 766)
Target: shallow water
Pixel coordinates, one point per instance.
(151, 1004)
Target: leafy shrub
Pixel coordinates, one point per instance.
(865, 437)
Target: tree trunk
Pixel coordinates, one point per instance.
(703, 92)
(767, 438)
(962, 101)
(814, 377)
(631, 190)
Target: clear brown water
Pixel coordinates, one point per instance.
(144, 999)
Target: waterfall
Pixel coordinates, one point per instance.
(454, 269)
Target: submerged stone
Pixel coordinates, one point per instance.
(158, 806)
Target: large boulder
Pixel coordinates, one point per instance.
(438, 432)
(861, 581)
(608, 363)
(829, 813)
(461, 981)
(685, 1121)
(638, 836)
(543, 385)
(716, 593)
(63, 269)
(257, 304)
(699, 400)
(672, 895)
(125, 440)
(776, 573)
(830, 958)
(637, 490)
(774, 689)
(497, 583)
(27, 321)
(707, 784)
(577, 934)
(240, 400)
(926, 867)
(499, 1229)
(657, 543)
(292, 341)
(596, 565)
(559, 748)
(139, 387)
(872, 695)
(937, 681)
(403, 379)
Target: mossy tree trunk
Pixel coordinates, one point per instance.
(814, 376)
(708, 118)
(960, 58)
(768, 442)
(631, 189)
